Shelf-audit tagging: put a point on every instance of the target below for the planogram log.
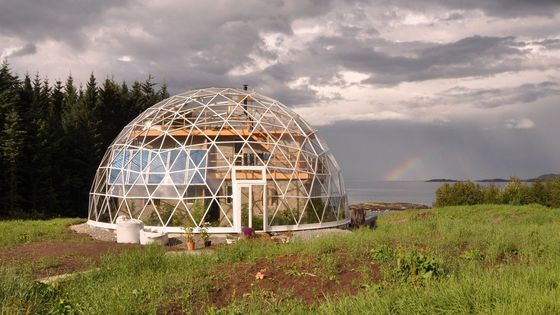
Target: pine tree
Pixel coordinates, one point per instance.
(109, 112)
(81, 147)
(11, 140)
(69, 100)
(55, 146)
(52, 137)
(37, 161)
(149, 94)
(163, 93)
(135, 99)
(13, 137)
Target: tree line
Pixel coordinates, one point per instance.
(515, 192)
(54, 134)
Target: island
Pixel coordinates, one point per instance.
(495, 180)
(441, 180)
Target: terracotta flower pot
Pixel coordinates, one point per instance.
(190, 245)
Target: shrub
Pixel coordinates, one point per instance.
(382, 252)
(415, 266)
(538, 193)
(516, 193)
(443, 196)
(552, 191)
(491, 194)
(461, 193)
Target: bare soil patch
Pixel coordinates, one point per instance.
(304, 277)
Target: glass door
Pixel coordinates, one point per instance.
(251, 199)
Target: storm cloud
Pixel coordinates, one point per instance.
(481, 65)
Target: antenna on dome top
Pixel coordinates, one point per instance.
(245, 86)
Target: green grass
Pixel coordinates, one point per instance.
(454, 260)
(14, 232)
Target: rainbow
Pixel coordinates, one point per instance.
(396, 172)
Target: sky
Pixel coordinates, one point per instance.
(399, 89)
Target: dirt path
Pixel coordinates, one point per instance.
(48, 258)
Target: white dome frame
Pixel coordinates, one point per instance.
(225, 156)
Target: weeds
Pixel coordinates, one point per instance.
(473, 255)
(454, 260)
(382, 253)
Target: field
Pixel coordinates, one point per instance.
(455, 260)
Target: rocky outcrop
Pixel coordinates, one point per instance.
(387, 206)
(365, 214)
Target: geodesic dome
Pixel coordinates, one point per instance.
(226, 158)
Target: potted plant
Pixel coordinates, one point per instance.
(189, 237)
(204, 234)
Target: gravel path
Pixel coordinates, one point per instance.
(177, 239)
(95, 232)
(311, 234)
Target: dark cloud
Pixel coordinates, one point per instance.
(472, 56)
(192, 44)
(453, 16)
(28, 49)
(549, 43)
(62, 20)
(498, 8)
(513, 8)
(368, 151)
(197, 45)
(496, 97)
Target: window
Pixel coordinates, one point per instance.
(229, 193)
(238, 147)
(249, 159)
(138, 162)
(115, 175)
(265, 156)
(198, 158)
(156, 169)
(181, 166)
(272, 196)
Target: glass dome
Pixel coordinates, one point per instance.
(223, 157)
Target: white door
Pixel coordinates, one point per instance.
(249, 198)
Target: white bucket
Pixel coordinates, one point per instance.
(128, 230)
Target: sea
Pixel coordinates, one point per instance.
(393, 191)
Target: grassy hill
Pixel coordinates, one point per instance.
(456, 260)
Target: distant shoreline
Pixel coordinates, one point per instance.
(493, 180)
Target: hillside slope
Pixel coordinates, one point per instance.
(478, 259)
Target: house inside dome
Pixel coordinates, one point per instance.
(226, 157)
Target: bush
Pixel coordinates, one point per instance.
(552, 191)
(459, 194)
(515, 192)
(491, 194)
(538, 193)
(382, 253)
